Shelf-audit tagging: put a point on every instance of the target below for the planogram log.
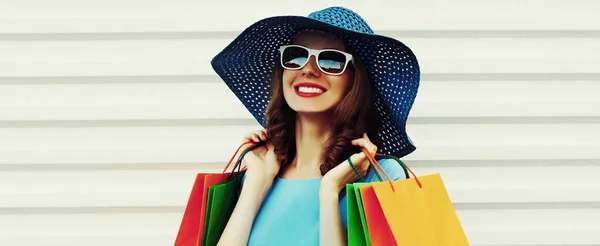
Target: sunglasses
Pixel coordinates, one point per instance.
(329, 61)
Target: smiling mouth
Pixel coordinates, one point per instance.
(308, 91)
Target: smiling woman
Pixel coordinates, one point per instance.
(324, 87)
(307, 93)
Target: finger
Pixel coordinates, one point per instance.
(365, 144)
(251, 136)
(359, 141)
(255, 138)
(364, 138)
(263, 135)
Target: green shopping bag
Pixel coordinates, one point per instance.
(220, 203)
(358, 232)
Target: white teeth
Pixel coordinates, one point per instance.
(309, 89)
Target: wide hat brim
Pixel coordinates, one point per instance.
(246, 66)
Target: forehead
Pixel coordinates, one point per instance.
(318, 40)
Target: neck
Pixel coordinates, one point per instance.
(312, 132)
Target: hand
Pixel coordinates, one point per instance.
(337, 178)
(261, 162)
(257, 136)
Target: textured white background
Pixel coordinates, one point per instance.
(108, 109)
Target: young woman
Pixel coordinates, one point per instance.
(324, 87)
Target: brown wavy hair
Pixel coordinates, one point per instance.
(354, 115)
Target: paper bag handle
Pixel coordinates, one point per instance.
(251, 144)
(377, 166)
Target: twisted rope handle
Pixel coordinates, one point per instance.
(378, 169)
(362, 179)
(239, 159)
(376, 165)
(379, 156)
(360, 175)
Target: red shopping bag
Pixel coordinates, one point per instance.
(192, 224)
(380, 232)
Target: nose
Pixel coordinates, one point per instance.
(311, 67)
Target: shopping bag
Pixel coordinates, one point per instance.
(358, 228)
(380, 233)
(373, 229)
(418, 210)
(192, 223)
(366, 221)
(210, 180)
(221, 201)
(358, 232)
(220, 204)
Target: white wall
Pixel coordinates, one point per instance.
(108, 109)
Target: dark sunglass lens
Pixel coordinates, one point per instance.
(332, 61)
(294, 57)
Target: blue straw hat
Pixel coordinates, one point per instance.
(246, 66)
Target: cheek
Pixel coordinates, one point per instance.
(288, 77)
(342, 84)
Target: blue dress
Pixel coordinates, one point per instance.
(289, 214)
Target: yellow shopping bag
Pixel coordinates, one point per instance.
(418, 210)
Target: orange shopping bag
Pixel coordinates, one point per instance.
(192, 224)
(417, 211)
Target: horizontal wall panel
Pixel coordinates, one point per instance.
(37, 16)
(192, 56)
(72, 239)
(141, 101)
(151, 229)
(237, 114)
(483, 227)
(217, 93)
(531, 226)
(211, 144)
(481, 185)
(90, 240)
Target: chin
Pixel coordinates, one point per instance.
(301, 105)
(309, 110)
